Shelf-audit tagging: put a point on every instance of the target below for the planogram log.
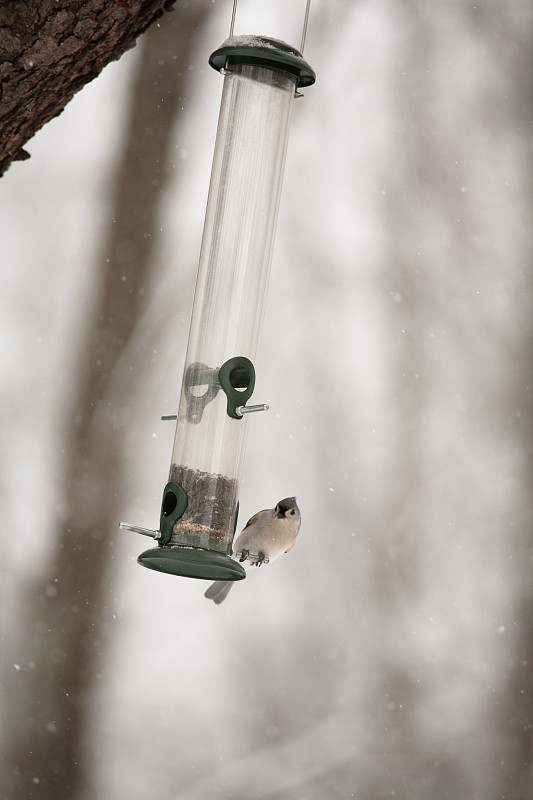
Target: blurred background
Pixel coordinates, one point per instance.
(391, 653)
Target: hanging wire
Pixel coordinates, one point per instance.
(304, 31)
(232, 24)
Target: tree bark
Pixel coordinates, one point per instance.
(49, 50)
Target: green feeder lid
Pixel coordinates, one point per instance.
(192, 562)
(265, 51)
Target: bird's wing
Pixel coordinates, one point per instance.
(252, 520)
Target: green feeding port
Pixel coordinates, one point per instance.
(192, 543)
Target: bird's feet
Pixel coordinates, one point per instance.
(260, 559)
(244, 555)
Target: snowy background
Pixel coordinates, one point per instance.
(390, 654)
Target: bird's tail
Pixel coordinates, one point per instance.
(218, 591)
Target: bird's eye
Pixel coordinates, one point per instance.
(292, 511)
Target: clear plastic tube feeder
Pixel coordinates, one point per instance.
(200, 501)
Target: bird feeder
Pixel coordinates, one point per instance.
(200, 501)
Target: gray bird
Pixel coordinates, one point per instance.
(267, 535)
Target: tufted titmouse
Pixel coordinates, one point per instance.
(265, 536)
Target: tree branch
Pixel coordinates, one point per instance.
(51, 49)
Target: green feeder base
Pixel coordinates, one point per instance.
(192, 562)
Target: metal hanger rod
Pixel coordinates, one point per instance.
(304, 31)
(233, 14)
